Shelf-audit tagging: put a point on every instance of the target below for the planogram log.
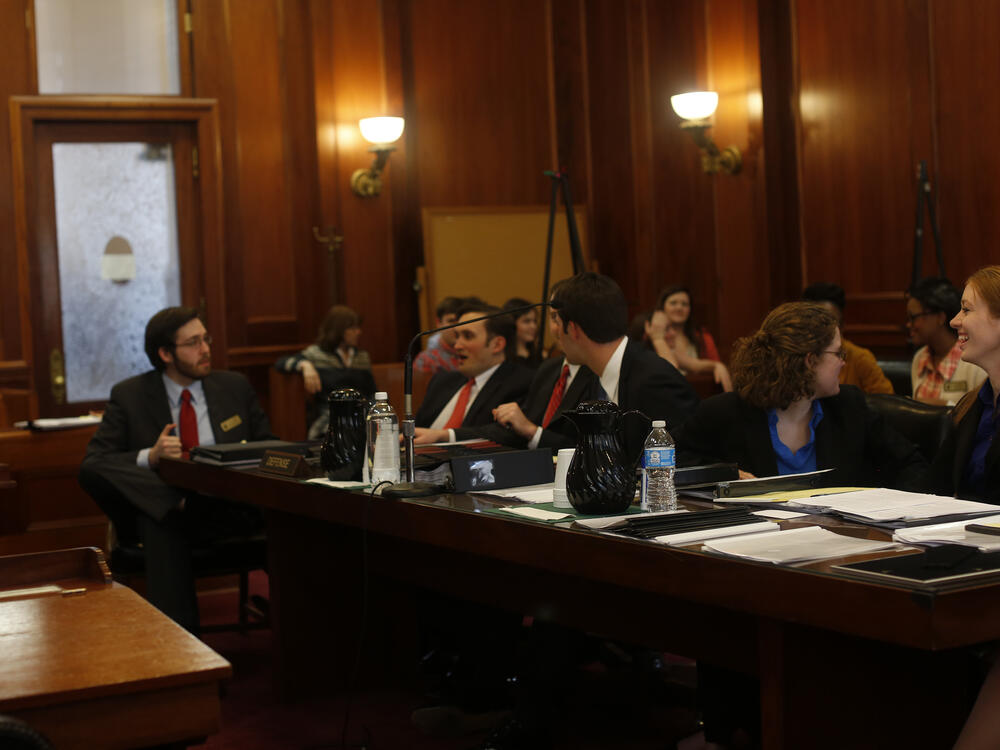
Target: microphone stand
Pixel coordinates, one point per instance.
(411, 487)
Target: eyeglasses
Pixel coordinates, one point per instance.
(196, 342)
(911, 318)
(839, 352)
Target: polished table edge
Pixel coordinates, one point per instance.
(895, 614)
(211, 668)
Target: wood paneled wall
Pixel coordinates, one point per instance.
(832, 106)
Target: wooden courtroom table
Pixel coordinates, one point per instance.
(842, 662)
(94, 665)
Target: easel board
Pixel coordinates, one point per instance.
(493, 252)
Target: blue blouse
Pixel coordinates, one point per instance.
(804, 459)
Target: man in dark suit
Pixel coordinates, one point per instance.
(179, 404)
(592, 315)
(484, 379)
(537, 421)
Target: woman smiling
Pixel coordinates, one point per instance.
(968, 464)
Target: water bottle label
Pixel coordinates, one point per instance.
(658, 458)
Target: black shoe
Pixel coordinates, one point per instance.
(515, 735)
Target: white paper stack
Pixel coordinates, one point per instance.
(894, 507)
(795, 545)
(951, 533)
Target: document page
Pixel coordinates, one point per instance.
(951, 533)
(884, 505)
(795, 545)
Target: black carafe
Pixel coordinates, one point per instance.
(343, 451)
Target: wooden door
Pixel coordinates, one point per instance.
(85, 167)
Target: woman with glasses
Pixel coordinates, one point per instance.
(789, 414)
(938, 372)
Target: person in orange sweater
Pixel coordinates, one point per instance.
(860, 367)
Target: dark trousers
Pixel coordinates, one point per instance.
(170, 545)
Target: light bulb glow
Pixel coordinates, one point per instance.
(695, 105)
(381, 129)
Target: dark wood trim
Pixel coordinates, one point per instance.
(27, 112)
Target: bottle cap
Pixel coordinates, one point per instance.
(381, 396)
(656, 422)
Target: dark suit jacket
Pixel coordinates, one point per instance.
(509, 383)
(560, 433)
(851, 439)
(945, 474)
(136, 414)
(650, 384)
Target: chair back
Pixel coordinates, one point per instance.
(898, 373)
(924, 424)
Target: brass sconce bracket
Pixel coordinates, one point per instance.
(728, 160)
(367, 183)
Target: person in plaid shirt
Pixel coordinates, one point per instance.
(938, 373)
(440, 353)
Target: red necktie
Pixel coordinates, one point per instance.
(455, 420)
(557, 396)
(189, 424)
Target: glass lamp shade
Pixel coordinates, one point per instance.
(695, 105)
(381, 129)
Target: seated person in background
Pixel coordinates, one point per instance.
(860, 367)
(938, 372)
(592, 316)
(484, 379)
(968, 464)
(440, 353)
(522, 349)
(789, 413)
(336, 348)
(180, 394)
(558, 386)
(675, 337)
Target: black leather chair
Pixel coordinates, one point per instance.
(924, 424)
(898, 372)
(17, 735)
(237, 555)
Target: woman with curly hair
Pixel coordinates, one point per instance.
(788, 413)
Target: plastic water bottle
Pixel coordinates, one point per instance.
(658, 493)
(383, 441)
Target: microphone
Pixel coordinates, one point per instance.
(414, 489)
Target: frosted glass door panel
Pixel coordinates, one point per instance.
(107, 47)
(112, 199)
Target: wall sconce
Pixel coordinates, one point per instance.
(696, 107)
(382, 132)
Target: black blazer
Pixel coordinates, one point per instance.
(851, 439)
(509, 383)
(945, 474)
(560, 433)
(136, 415)
(650, 384)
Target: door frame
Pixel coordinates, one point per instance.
(27, 112)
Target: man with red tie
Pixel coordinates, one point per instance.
(537, 422)
(167, 411)
(484, 379)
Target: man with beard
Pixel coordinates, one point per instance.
(167, 411)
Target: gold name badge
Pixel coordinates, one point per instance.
(233, 421)
(954, 386)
